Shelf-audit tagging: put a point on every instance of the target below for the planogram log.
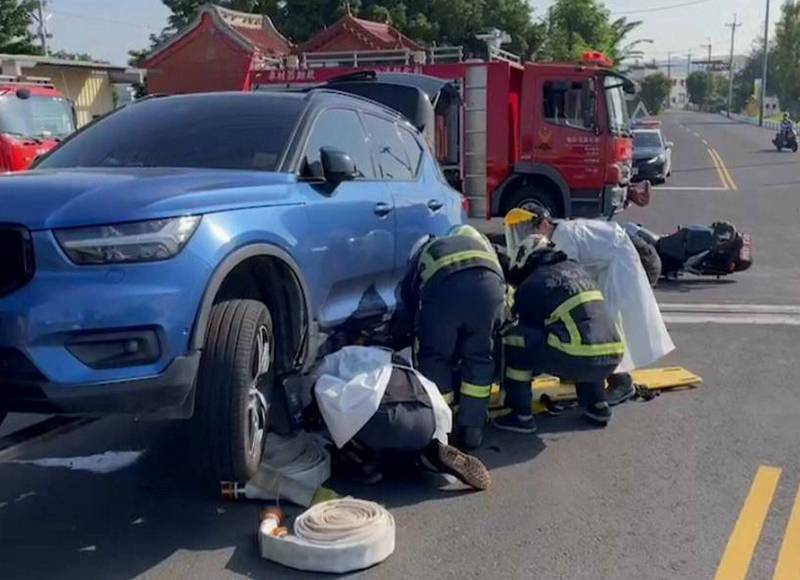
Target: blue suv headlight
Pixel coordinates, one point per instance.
(147, 241)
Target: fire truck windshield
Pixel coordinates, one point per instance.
(37, 117)
(615, 104)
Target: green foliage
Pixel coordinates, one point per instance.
(744, 79)
(574, 26)
(787, 56)
(75, 56)
(15, 22)
(697, 86)
(654, 92)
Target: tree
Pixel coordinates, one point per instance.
(787, 56)
(744, 79)
(654, 92)
(697, 87)
(574, 26)
(15, 22)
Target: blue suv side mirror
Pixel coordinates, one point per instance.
(337, 166)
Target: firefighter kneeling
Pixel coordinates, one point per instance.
(562, 330)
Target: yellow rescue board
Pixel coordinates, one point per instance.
(652, 379)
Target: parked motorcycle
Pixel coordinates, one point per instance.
(715, 250)
(786, 139)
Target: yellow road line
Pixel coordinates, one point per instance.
(725, 186)
(742, 543)
(788, 567)
(731, 182)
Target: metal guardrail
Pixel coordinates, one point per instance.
(774, 126)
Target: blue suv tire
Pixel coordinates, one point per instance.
(234, 384)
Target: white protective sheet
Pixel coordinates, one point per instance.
(350, 387)
(607, 252)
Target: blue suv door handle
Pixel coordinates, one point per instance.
(382, 208)
(435, 205)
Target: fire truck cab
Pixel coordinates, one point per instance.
(34, 118)
(517, 135)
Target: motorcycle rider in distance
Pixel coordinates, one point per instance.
(786, 125)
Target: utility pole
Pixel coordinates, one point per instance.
(764, 70)
(41, 20)
(688, 72)
(733, 25)
(709, 80)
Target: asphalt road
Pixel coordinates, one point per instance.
(656, 495)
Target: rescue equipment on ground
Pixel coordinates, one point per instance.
(549, 392)
(336, 536)
(350, 386)
(293, 468)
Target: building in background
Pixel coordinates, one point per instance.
(215, 52)
(351, 34)
(224, 49)
(89, 85)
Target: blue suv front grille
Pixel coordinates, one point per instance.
(16, 258)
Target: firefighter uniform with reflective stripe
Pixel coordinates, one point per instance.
(563, 331)
(457, 284)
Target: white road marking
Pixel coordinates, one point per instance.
(713, 313)
(107, 462)
(688, 188)
(696, 134)
(705, 142)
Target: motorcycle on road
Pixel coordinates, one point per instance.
(715, 250)
(786, 139)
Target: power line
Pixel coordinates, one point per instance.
(661, 8)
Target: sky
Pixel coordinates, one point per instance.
(108, 29)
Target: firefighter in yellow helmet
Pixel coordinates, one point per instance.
(455, 289)
(562, 329)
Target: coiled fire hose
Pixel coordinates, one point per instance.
(293, 468)
(337, 536)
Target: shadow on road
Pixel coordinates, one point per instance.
(684, 285)
(62, 523)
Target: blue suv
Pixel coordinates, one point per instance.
(180, 257)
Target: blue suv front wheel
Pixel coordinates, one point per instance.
(234, 381)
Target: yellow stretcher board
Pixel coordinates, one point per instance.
(653, 379)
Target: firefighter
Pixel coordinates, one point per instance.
(454, 289)
(606, 251)
(563, 329)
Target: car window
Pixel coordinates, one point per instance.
(413, 149)
(340, 129)
(564, 103)
(646, 139)
(239, 131)
(389, 149)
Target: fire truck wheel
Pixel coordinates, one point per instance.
(533, 198)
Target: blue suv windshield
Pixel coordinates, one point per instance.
(223, 131)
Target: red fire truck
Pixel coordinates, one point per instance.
(34, 117)
(522, 134)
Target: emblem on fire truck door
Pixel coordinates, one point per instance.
(545, 139)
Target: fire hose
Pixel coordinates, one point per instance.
(293, 468)
(336, 536)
